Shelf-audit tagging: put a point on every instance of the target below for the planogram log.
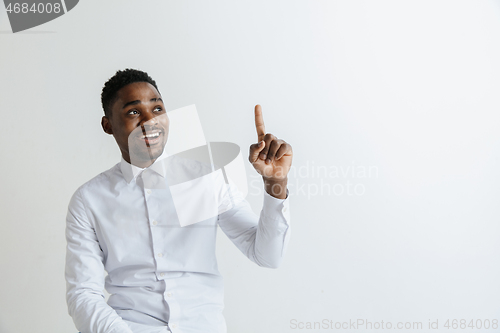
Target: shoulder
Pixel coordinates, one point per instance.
(96, 184)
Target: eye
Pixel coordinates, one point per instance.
(132, 112)
(158, 109)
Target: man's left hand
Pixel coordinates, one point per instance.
(271, 157)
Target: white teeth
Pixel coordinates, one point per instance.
(153, 135)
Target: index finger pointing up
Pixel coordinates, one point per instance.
(259, 123)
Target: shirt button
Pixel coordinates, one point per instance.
(160, 255)
(285, 209)
(149, 191)
(174, 326)
(162, 274)
(169, 294)
(155, 222)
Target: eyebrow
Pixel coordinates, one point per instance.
(139, 102)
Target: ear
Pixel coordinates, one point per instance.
(106, 125)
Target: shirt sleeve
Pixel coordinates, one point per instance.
(85, 275)
(263, 239)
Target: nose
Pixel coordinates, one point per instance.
(148, 119)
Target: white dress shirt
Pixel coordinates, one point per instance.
(160, 275)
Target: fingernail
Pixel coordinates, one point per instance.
(262, 156)
(268, 161)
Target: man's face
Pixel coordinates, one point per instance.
(139, 123)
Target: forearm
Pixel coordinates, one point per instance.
(90, 313)
(273, 232)
(84, 283)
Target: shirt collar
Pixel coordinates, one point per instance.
(131, 172)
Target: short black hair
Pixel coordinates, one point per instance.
(120, 80)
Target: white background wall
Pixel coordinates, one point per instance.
(409, 88)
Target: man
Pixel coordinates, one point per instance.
(162, 276)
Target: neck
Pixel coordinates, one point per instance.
(139, 164)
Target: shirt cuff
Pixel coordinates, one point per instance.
(276, 208)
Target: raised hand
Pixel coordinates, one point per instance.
(271, 157)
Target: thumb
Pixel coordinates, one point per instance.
(255, 150)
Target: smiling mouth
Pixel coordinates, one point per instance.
(152, 137)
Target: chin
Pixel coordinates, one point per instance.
(155, 153)
(141, 153)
